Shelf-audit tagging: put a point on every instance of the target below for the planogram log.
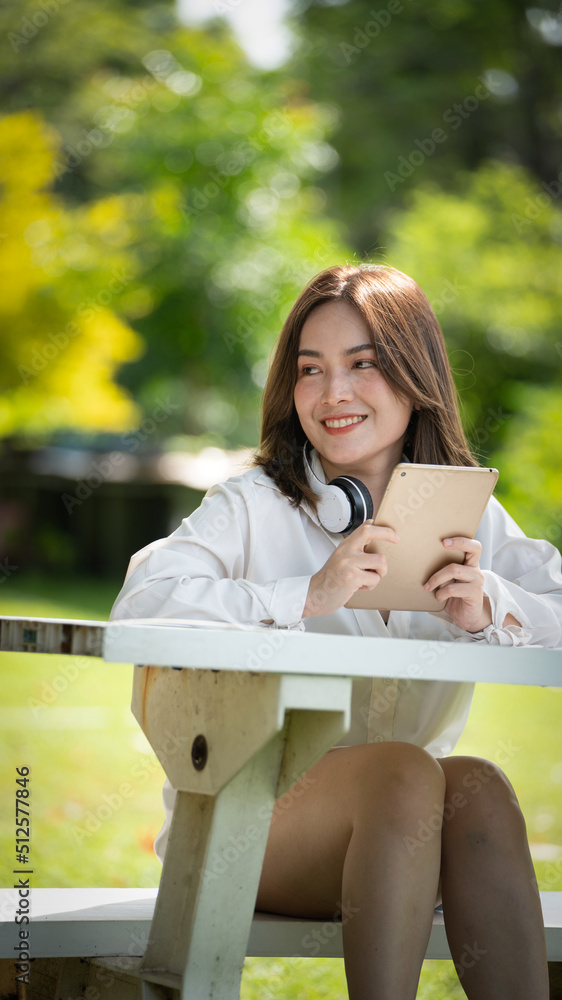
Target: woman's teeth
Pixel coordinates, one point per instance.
(344, 422)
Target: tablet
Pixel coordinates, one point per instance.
(424, 504)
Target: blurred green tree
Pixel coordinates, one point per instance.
(531, 461)
(487, 254)
(204, 181)
(199, 172)
(426, 90)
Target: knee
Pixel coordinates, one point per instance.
(480, 796)
(412, 766)
(407, 782)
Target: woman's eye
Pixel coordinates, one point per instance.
(309, 370)
(366, 363)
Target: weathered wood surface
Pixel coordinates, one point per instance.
(228, 745)
(51, 635)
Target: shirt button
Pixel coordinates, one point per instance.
(378, 739)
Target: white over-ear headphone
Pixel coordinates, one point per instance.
(345, 503)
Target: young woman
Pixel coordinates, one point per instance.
(360, 376)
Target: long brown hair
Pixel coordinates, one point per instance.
(410, 353)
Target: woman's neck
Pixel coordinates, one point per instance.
(375, 480)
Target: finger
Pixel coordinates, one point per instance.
(454, 571)
(383, 533)
(373, 580)
(373, 562)
(462, 591)
(470, 546)
(369, 533)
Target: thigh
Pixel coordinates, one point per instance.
(313, 823)
(310, 830)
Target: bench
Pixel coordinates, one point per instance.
(110, 927)
(257, 710)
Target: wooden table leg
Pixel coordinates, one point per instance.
(209, 883)
(229, 750)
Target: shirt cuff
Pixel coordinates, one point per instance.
(511, 635)
(288, 601)
(502, 603)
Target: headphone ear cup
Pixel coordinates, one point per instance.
(344, 504)
(360, 501)
(334, 508)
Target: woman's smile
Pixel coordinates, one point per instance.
(343, 423)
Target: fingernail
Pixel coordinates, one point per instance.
(447, 541)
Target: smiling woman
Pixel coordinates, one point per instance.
(344, 404)
(398, 353)
(360, 379)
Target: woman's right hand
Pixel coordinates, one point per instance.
(348, 569)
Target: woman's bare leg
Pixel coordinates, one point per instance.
(491, 904)
(342, 846)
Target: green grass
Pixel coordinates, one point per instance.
(95, 782)
(96, 785)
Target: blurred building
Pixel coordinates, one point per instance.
(72, 509)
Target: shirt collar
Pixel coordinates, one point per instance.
(318, 469)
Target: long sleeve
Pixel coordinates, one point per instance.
(522, 578)
(211, 569)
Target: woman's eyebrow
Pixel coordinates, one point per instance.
(351, 350)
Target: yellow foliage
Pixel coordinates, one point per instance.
(26, 212)
(61, 344)
(27, 147)
(84, 373)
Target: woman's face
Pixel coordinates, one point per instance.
(347, 410)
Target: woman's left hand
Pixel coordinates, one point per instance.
(462, 586)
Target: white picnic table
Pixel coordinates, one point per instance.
(248, 710)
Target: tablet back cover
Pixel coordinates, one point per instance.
(424, 504)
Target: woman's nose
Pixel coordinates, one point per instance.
(336, 388)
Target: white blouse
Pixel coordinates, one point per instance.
(246, 556)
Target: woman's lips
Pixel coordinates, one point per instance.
(343, 424)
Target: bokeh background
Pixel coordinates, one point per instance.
(171, 176)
